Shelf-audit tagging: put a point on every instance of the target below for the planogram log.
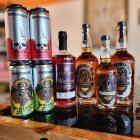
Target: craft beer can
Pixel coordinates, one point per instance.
(17, 32)
(43, 86)
(21, 90)
(40, 33)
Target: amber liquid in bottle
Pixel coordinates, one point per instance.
(86, 65)
(125, 64)
(106, 78)
(64, 75)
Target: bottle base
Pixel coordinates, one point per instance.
(92, 102)
(43, 112)
(124, 102)
(65, 103)
(25, 117)
(105, 108)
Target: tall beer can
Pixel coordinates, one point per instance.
(17, 32)
(40, 33)
(21, 90)
(43, 86)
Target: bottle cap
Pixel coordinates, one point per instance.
(122, 25)
(62, 35)
(86, 27)
(105, 37)
(62, 40)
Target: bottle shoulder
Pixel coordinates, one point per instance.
(106, 67)
(122, 56)
(87, 56)
(63, 58)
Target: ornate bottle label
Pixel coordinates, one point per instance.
(107, 89)
(65, 81)
(43, 87)
(124, 79)
(85, 81)
(21, 97)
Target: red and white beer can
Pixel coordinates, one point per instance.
(17, 32)
(40, 34)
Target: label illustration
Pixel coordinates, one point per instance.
(107, 89)
(124, 79)
(65, 80)
(44, 100)
(21, 97)
(19, 31)
(40, 31)
(17, 35)
(85, 80)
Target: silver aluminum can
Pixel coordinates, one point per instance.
(40, 33)
(17, 32)
(22, 103)
(43, 86)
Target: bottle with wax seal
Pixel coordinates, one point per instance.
(64, 75)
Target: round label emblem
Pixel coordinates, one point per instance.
(21, 91)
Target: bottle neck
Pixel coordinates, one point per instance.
(121, 42)
(86, 42)
(105, 55)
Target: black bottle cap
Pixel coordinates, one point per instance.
(85, 27)
(122, 25)
(62, 40)
(16, 6)
(41, 9)
(105, 37)
(20, 63)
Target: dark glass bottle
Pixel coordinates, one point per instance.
(125, 64)
(106, 77)
(64, 75)
(86, 65)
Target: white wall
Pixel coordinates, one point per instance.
(134, 33)
(68, 17)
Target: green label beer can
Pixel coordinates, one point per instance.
(21, 91)
(43, 86)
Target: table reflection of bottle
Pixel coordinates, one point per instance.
(115, 122)
(65, 117)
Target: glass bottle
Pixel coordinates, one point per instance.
(125, 64)
(106, 77)
(86, 65)
(64, 75)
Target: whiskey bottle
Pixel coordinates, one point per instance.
(106, 77)
(125, 64)
(64, 75)
(86, 64)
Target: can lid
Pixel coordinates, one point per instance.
(38, 9)
(41, 62)
(16, 6)
(20, 63)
